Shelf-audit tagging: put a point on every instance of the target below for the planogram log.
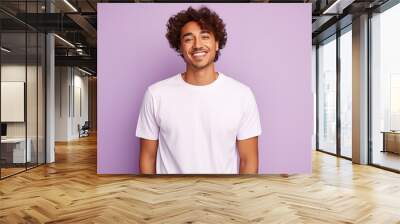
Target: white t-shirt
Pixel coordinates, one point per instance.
(197, 126)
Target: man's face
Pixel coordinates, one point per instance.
(198, 46)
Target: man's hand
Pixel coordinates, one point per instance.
(148, 155)
(248, 153)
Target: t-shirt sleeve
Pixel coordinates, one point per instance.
(250, 125)
(147, 126)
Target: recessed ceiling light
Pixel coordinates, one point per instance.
(70, 5)
(64, 40)
(86, 72)
(5, 50)
(328, 10)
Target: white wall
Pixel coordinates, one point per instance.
(71, 93)
(62, 81)
(81, 102)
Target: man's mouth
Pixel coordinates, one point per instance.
(199, 54)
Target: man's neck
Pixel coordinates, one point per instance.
(200, 77)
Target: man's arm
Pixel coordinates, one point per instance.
(248, 153)
(148, 154)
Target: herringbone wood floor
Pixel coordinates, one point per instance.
(70, 191)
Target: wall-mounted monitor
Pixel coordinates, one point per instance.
(12, 101)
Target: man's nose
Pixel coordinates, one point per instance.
(197, 43)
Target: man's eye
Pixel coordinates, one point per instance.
(206, 37)
(187, 40)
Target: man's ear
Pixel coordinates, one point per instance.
(217, 43)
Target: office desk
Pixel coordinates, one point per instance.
(13, 150)
(391, 141)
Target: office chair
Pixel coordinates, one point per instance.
(84, 130)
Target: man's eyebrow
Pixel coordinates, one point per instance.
(187, 34)
(191, 34)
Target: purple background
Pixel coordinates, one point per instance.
(268, 49)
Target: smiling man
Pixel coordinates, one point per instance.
(199, 121)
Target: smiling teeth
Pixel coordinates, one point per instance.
(199, 54)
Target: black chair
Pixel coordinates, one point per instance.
(84, 130)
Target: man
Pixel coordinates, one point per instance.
(200, 121)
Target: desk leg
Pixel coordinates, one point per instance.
(384, 143)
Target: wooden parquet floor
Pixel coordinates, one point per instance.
(70, 191)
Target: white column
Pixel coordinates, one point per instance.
(360, 90)
(50, 100)
(50, 92)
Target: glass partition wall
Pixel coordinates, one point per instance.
(385, 89)
(22, 88)
(327, 95)
(345, 62)
(334, 91)
(334, 88)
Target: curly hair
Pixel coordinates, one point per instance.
(206, 19)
